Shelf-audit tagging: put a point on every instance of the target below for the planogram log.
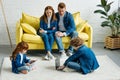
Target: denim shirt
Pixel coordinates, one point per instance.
(68, 22)
(86, 58)
(17, 62)
(49, 29)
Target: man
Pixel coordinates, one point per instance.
(66, 27)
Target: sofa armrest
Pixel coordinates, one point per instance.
(19, 32)
(88, 29)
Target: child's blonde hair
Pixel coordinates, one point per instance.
(19, 48)
(76, 42)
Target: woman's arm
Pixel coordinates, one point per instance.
(53, 27)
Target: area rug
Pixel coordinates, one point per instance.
(45, 70)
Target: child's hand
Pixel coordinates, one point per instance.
(61, 67)
(32, 61)
(28, 64)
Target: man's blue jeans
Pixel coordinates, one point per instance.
(74, 65)
(48, 40)
(60, 44)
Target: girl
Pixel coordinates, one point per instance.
(20, 62)
(48, 26)
(83, 60)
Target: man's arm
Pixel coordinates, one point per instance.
(70, 24)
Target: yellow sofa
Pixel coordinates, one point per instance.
(26, 29)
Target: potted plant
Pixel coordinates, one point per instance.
(111, 20)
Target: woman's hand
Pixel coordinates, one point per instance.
(53, 28)
(41, 30)
(61, 67)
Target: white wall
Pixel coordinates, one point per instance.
(14, 8)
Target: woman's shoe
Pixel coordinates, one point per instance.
(51, 56)
(46, 57)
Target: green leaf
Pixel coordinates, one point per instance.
(103, 2)
(118, 32)
(112, 18)
(104, 17)
(101, 12)
(115, 14)
(105, 23)
(99, 5)
(107, 8)
(119, 16)
(110, 3)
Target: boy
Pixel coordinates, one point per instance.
(83, 60)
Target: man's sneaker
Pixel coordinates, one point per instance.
(66, 69)
(46, 57)
(51, 56)
(63, 55)
(69, 53)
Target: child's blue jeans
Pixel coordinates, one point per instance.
(28, 68)
(74, 65)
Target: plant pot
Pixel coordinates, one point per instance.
(112, 43)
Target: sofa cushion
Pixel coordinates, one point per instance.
(28, 28)
(66, 39)
(77, 18)
(31, 38)
(33, 21)
(37, 39)
(80, 27)
(83, 35)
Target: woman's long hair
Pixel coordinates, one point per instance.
(44, 16)
(19, 48)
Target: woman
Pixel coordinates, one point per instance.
(48, 26)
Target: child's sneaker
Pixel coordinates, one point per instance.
(66, 69)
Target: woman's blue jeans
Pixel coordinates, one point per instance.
(48, 40)
(60, 44)
(74, 65)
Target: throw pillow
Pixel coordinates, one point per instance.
(77, 18)
(81, 26)
(33, 21)
(28, 28)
